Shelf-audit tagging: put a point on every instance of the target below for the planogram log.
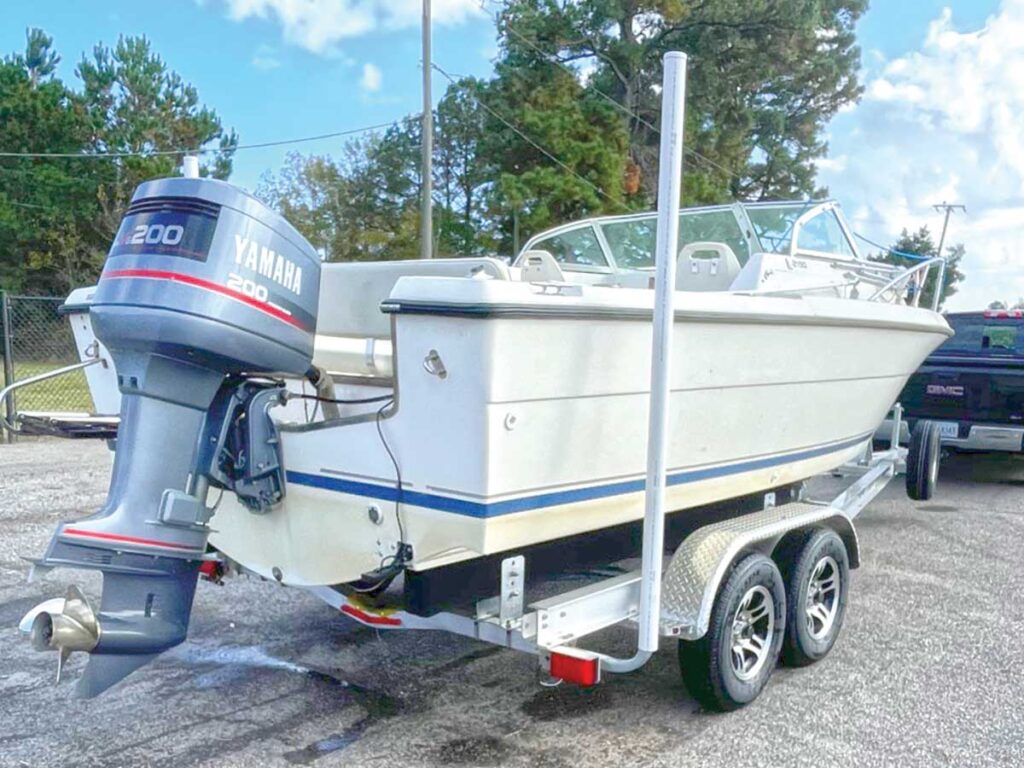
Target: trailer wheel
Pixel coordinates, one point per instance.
(923, 460)
(816, 571)
(728, 667)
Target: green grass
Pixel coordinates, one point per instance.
(64, 393)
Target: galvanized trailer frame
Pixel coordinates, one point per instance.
(551, 628)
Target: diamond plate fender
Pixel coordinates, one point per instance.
(697, 568)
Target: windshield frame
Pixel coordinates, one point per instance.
(813, 208)
(598, 222)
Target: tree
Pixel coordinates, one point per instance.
(462, 171)
(362, 207)
(40, 59)
(58, 215)
(567, 127)
(997, 305)
(921, 245)
(137, 105)
(43, 201)
(765, 78)
(310, 192)
(558, 152)
(365, 205)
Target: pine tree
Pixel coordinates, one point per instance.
(921, 245)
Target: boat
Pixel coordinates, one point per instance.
(334, 426)
(513, 400)
(520, 407)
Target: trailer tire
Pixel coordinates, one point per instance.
(923, 460)
(729, 667)
(816, 570)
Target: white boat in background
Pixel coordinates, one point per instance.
(520, 393)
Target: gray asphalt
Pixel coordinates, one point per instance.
(929, 670)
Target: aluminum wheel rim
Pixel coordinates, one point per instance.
(753, 628)
(822, 597)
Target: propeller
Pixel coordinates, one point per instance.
(74, 628)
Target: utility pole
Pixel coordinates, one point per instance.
(426, 201)
(941, 284)
(949, 208)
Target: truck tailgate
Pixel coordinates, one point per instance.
(967, 389)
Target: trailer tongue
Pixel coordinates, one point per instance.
(191, 323)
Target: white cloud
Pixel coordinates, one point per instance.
(319, 25)
(265, 59)
(371, 79)
(944, 123)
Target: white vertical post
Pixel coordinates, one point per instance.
(190, 166)
(670, 176)
(427, 130)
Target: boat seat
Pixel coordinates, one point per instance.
(351, 292)
(540, 267)
(706, 266)
(353, 337)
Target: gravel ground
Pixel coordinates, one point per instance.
(927, 672)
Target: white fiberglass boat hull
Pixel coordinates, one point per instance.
(537, 430)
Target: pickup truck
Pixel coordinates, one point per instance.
(972, 387)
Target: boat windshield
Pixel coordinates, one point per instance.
(632, 241)
(774, 226)
(629, 241)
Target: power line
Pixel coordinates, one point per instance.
(534, 144)
(28, 205)
(191, 151)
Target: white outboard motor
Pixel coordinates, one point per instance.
(205, 294)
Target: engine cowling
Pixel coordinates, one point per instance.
(205, 292)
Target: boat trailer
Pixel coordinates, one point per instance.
(552, 628)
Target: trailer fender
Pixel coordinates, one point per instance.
(702, 561)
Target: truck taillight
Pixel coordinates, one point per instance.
(1005, 313)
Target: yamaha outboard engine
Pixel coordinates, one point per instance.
(206, 294)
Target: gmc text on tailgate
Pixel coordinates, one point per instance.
(973, 385)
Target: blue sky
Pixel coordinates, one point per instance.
(941, 117)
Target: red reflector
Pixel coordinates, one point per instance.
(209, 568)
(370, 618)
(576, 669)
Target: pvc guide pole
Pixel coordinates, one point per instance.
(427, 149)
(670, 178)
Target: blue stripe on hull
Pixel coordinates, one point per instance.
(555, 498)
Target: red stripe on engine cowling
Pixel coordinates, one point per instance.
(126, 539)
(198, 282)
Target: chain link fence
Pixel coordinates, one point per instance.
(36, 339)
